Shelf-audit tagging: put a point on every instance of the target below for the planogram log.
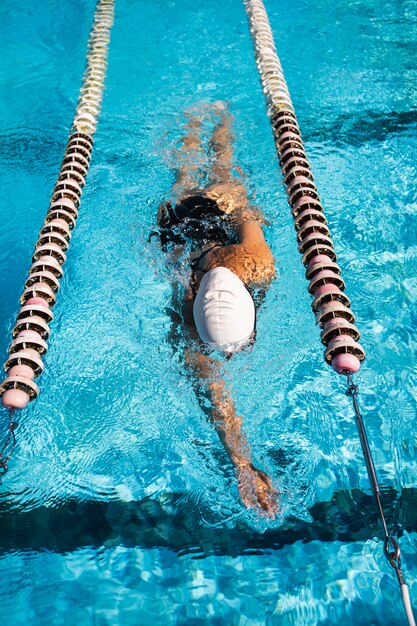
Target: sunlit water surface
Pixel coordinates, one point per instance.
(120, 505)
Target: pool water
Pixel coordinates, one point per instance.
(120, 506)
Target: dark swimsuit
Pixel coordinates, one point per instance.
(197, 221)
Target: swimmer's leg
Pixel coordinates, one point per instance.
(226, 189)
(190, 157)
(221, 145)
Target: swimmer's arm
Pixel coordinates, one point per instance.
(254, 485)
(251, 235)
(252, 242)
(250, 231)
(227, 423)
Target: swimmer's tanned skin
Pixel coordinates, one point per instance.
(249, 258)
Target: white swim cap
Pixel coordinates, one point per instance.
(224, 312)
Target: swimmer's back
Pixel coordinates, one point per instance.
(251, 261)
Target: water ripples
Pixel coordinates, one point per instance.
(117, 422)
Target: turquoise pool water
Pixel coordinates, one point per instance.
(120, 506)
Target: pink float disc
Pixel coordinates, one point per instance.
(22, 370)
(331, 311)
(295, 161)
(334, 321)
(299, 180)
(344, 341)
(319, 258)
(39, 301)
(49, 260)
(326, 288)
(15, 399)
(32, 352)
(289, 135)
(28, 334)
(59, 222)
(293, 171)
(306, 200)
(325, 277)
(346, 363)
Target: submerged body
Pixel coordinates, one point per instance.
(229, 261)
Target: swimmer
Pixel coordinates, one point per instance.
(219, 230)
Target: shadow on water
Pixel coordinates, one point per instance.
(351, 129)
(175, 525)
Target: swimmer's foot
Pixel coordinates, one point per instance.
(220, 106)
(256, 489)
(229, 195)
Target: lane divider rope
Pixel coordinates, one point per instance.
(31, 330)
(330, 303)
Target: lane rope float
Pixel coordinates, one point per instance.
(31, 330)
(330, 303)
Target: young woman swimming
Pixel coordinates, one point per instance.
(230, 260)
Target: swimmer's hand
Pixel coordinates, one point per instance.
(256, 489)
